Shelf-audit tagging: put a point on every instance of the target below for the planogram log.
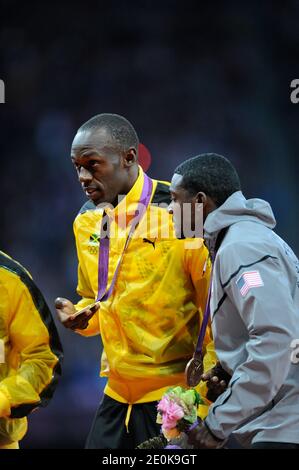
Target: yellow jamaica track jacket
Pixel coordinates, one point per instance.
(30, 350)
(150, 324)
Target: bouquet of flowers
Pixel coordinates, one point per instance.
(177, 412)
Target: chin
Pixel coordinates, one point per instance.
(95, 201)
(98, 200)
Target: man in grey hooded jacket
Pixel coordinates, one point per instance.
(254, 308)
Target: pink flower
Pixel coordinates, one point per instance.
(163, 404)
(171, 413)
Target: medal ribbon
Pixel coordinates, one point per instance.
(103, 267)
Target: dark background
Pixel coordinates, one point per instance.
(192, 77)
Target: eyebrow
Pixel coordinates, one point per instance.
(86, 152)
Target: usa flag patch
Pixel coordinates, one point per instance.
(249, 280)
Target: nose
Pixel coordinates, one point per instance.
(84, 175)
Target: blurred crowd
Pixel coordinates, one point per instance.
(192, 77)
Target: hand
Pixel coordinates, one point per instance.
(65, 310)
(217, 381)
(201, 438)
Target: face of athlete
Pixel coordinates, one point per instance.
(182, 207)
(189, 211)
(103, 170)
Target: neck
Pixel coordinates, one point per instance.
(133, 175)
(132, 178)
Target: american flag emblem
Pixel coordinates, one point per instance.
(248, 280)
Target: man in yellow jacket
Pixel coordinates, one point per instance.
(153, 292)
(30, 351)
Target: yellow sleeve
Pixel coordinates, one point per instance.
(36, 351)
(93, 328)
(199, 266)
(84, 290)
(4, 406)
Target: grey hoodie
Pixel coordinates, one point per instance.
(255, 322)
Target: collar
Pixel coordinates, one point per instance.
(124, 212)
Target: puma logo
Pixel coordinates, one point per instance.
(146, 240)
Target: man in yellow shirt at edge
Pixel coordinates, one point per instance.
(150, 323)
(30, 351)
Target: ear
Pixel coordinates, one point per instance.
(208, 205)
(130, 157)
(201, 198)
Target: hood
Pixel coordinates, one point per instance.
(236, 209)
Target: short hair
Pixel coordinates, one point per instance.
(211, 174)
(120, 129)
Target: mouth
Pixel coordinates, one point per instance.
(93, 193)
(89, 190)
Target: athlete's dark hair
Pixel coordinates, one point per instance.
(121, 130)
(211, 174)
